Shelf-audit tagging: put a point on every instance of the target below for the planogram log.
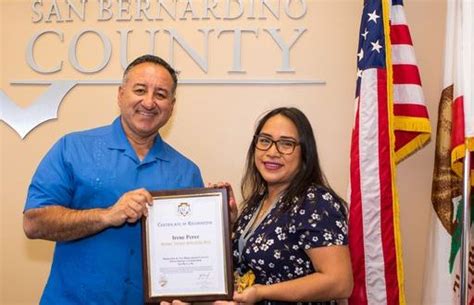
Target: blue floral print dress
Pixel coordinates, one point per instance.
(275, 250)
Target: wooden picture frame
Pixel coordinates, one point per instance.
(186, 241)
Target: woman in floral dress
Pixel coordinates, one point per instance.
(292, 232)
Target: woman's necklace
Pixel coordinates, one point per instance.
(257, 218)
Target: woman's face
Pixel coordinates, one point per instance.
(278, 169)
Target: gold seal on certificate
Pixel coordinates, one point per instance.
(186, 246)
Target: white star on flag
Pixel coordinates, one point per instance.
(360, 54)
(373, 16)
(365, 34)
(376, 46)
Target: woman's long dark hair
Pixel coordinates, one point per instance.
(254, 187)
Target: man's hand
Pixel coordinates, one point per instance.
(233, 210)
(59, 223)
(129, 208)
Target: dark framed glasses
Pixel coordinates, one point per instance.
(283, 146)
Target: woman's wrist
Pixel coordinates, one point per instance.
(259, 292)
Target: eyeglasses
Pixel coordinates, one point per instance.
(283, 146)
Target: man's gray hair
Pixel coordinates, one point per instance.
(155, 60)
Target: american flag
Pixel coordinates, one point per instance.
(391, 122)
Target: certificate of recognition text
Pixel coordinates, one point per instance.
(185, 245)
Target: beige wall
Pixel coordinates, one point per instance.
(212, 124)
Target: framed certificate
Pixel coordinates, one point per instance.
(186, 246)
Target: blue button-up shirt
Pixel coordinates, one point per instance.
(92, 169)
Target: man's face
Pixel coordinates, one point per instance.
(146, 100)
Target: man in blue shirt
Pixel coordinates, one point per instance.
(91, 189)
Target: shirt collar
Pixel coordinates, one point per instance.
(159, 150)
(119, 141)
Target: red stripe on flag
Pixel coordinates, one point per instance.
(410, 110)
(386, 193)
(457, 132)
(400, 34)
(356, 232)
(402, 138)
(406, 74)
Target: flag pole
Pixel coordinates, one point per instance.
(466, 229)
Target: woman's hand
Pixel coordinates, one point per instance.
(175, 302)
(232, 202)
(248, 296)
